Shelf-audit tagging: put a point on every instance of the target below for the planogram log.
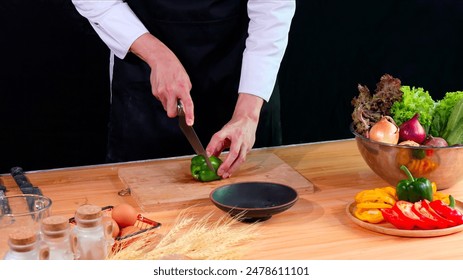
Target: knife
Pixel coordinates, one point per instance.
(191, 135)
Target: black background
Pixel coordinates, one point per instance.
(54, 84)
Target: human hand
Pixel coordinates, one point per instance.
(169, 80)
(239, 134)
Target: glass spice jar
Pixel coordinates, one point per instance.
(24, 244)
(94, 237)
(56, 233)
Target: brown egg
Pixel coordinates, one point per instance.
(115, 226)
(124, 215)
(129, 230)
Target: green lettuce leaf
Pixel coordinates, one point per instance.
(414, 100)
(442, 112)
(453, 132)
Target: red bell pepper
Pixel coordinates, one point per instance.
(444, 223)
(422, 215)
(405, 208)
(401, 216)
(405, 211)
(451, 214)
(390, 215)
(430, 221)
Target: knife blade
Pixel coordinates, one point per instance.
(192, 136)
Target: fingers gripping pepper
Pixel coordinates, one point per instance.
(201, 172)
(414, 189)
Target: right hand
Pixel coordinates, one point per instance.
(169, 80)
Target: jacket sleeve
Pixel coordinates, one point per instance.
(269, 26)
(113, 21)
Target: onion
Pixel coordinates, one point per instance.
(409, 143)
(385, 130)
(435, 142)
(412, 130)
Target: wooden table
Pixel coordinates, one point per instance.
(316, 227)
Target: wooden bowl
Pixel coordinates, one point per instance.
(254, 201)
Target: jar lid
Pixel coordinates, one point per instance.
(88, 212)
(23, 236)
(55, 223)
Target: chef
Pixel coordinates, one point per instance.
(219, 58)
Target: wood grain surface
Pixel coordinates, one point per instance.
(171, 182)
(317, 227)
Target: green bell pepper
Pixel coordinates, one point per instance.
(413, 189)
(201, 172)
(451, 201)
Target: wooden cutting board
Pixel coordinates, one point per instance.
(169, 182)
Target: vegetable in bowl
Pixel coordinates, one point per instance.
(453, 132)
(441, 120)
(384, 152)
(370, 108)
(442, 112)
(414, 100)
(448, 119)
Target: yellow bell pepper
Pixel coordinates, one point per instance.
(373, 216)
(441, 196)
(370, 204)
(391, 191)
(421, 167)
(377, 195)
(445, 197)
(434, 187)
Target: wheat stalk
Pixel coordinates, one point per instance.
(190, 238)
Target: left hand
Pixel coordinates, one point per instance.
(239, 134)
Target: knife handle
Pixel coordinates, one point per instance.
(180, 111)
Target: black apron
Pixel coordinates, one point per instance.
(208, 37)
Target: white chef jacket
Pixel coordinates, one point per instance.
(270, 20)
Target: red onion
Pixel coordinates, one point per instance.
(412, 130)
(435, 142)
